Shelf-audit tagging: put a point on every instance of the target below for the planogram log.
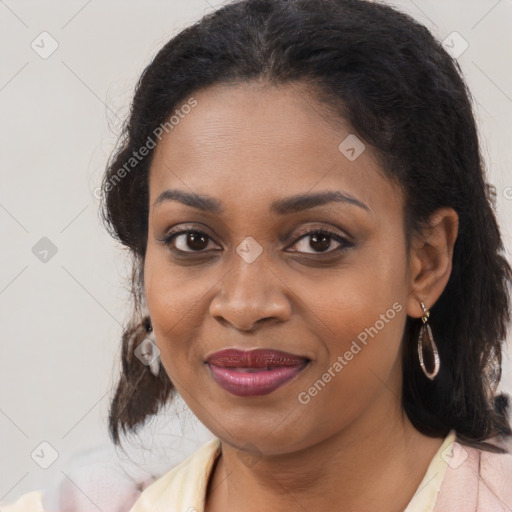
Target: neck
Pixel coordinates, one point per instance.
(376, 463)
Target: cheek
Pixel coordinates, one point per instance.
(175, 301)
(352, 298)
(360, 317)
(361, 364)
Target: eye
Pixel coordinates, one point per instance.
(189, 240)
(321, 241)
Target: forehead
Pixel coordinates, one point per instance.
(256, 142)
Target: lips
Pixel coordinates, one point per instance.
(258, 358)
(254, 372)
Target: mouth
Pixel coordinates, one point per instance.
(254, 372)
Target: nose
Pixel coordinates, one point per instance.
(251, 294)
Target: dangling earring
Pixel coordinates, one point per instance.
(147, 352)
(426, 345)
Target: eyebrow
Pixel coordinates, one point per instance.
(285, 206)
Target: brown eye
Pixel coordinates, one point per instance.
(318, 241)
(189, 241)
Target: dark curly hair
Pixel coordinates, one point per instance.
(404, 95)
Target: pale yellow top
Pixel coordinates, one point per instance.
(183, 488)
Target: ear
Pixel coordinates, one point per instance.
(430, 260)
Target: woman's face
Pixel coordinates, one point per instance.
(254, 279)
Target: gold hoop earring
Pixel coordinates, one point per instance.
(426, 345)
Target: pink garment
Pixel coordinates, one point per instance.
(476, 481)
(96, 480)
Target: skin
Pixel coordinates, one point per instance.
(351, 447)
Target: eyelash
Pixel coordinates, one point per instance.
(344, 243)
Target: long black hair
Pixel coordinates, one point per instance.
(404, 95)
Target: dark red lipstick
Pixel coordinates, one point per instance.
(254, 372)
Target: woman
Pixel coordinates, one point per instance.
(318, 269)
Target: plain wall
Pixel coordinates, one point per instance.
(61, 319)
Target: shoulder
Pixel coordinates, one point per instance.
(30, 502)
(184, 486)
(496, 478)
(181, 488)
(476, 479)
